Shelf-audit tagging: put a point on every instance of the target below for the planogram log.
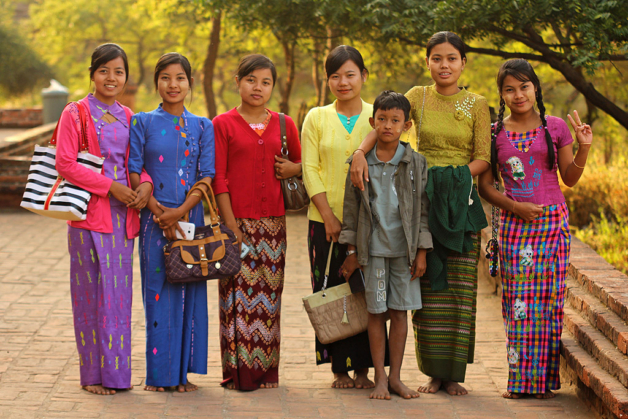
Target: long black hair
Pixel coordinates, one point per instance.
(172, 58)
(443, 37)
(105, 53)
(340, 55)
(523, 71)
(253, 62)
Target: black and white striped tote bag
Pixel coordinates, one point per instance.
(51, 195)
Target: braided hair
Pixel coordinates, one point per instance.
(524, 72)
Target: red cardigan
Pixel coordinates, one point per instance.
(244, 164)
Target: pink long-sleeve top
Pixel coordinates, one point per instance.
(98, 210)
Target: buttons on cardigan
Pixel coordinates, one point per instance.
(263, 184)
(263, 171)
(348, 137)
(264, 199)
(347, 153)
(264, 211)
(260, 141)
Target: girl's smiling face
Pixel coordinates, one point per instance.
(519, 96)
(445, 64)
(173, 84)
(256, 87)
(346, 83)
(109, 80)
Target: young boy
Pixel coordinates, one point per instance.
(385, 228)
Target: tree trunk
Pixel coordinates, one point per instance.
(334, 39)
(288, 52)
(140, 63)
(210, 65)
(317, 80)
(585, 87)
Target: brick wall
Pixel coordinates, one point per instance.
(20, 118)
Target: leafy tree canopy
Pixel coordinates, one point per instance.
(574, 37)
(22, 69)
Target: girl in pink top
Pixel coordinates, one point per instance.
(101, 246)
(529, 149)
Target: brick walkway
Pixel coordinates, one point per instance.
(39, 374)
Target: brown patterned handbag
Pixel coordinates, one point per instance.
(213, 254)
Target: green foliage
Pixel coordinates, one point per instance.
(601, 188)
(66, 34)
(608, 238)
(585, 31)
(22, 69)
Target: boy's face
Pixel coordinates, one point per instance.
(389, 124)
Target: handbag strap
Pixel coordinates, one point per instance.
(83, 144)
(418, 137)
(331, 250)
(284, 138)
(492, 246)
(211, 203)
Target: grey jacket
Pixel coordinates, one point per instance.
(410, 182)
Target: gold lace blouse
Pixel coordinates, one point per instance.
(454, 129)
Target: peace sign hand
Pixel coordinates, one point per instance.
(584, 134)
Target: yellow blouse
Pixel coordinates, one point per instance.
(454, 129)
(325, 147)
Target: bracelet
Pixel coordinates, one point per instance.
(359, 149)
(351, 252)
(576, 164)
(195, 194)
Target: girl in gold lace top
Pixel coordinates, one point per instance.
(452, 127)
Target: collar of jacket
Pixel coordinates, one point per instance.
(407, 155)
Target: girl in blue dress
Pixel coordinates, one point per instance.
(177, 149)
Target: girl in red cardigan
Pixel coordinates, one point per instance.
(249, 197)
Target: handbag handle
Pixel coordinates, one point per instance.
(284, 138)
(211, 203)
(83, 145)
(331, 249)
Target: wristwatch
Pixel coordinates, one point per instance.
(350, 252)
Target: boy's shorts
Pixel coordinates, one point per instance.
(388, 285)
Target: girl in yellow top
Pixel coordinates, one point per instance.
(453, 127)
(330, 135)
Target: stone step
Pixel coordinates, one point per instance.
(595, 343)
(600, 316)
(24, 143)
(599, 278)
(609, 394)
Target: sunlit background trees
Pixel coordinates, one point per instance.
(579, 49)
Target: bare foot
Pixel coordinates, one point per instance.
(547, 395)
(342, 380)
(454, 389)
(399, 388)
(153, 388)
(184, 388)
(432, 386)
(230, 385)
(99, 389)
(269, 385)
(361, 379)
(380, 392)
(511, 395)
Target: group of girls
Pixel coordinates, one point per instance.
(153, 159)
